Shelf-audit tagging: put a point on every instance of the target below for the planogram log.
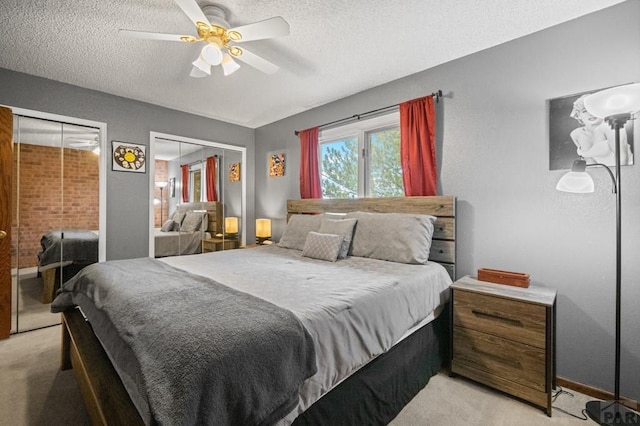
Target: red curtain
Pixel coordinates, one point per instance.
(417, 146)
(185, 183)
(309, 170)
(212, 172)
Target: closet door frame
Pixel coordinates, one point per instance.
(102, 172)
(151, 168)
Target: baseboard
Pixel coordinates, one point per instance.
(595, 392)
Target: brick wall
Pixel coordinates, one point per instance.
(58, 188)
(161, 175)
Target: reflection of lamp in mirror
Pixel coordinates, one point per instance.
(231, 226)
(263, 230)
(162, 186)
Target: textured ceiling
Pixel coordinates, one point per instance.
(335, 49)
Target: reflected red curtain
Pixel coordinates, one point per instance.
(185, 183)
(417, 146)
(309, 170)
(212, 172)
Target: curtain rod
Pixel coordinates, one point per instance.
(437, 94)
(198, 161)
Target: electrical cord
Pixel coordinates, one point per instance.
(560, 392)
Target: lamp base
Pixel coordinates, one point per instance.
(611, 413)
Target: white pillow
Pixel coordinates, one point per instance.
(396, 237)
(299, 225)
(322, 246)
(342, 227)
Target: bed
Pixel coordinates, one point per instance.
(409, 337)
(171, 240)
(64, 253)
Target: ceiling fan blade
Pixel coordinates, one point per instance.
(272, 27)
(256, 61)
(192, 10)
(151, 36)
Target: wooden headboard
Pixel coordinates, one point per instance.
(443, 246)
(214, 213)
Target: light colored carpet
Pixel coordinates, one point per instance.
(33, 391)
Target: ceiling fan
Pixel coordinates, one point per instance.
(219, 40)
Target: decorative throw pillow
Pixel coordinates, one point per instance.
(342, 227)
(322, 246)
(299, 225)
(396, 237)
(167, 226)
(192, 222)
(178, 218)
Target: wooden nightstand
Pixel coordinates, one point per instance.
(504, 337)
(217, 244)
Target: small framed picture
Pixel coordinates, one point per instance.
(276, 164)
(128, 157)
(234, 172)
(172, 187)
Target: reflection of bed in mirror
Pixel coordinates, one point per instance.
(64, 253)
(187, 226)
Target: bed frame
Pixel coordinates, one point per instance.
(402, 371)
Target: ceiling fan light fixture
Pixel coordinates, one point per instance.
(229, 66)
(201, 65)
(211, 54)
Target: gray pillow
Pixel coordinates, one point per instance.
(178, 218)
(322, 246)
(167, 226)
(396, 237)
(295, 233)
(342, 227)
(192, 222)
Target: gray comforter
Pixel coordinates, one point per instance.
(237, 359)
(78, 246)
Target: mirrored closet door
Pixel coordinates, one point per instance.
(55, 213)
(197, 196)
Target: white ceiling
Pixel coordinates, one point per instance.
(335, 49)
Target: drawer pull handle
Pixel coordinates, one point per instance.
(494, 317)
(509, 361)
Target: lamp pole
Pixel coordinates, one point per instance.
(161, 206)
(614, 412)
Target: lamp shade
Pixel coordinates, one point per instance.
(616, 100)
(263, 228)
(211, 54)
(162, 184)
(202, 66)
(231, 225)
(577, 182)
(198, 73)
(229, 66)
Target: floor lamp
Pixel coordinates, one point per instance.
(616, 106)
(162, 186)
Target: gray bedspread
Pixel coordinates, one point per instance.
(237, 359)
(77, 246)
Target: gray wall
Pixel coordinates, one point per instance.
(130, 121)
(493, 155)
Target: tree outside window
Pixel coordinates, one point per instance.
(364, 163)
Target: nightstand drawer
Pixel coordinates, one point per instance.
(499, 357)
(511, 319)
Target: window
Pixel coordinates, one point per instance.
(196, 184)
(362, 159)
